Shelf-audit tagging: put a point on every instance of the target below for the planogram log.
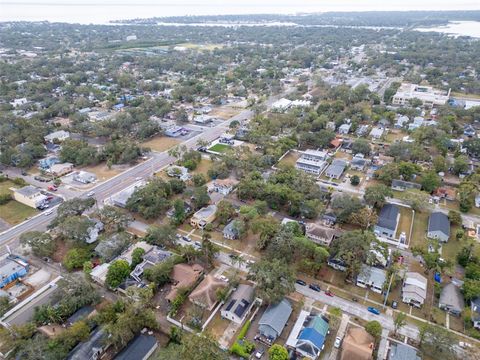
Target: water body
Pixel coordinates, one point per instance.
(457, 28)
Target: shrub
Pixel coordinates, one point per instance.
(75, 258)
(19, 181)
(5, 198)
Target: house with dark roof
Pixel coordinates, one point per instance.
(451, 299)
(335, 169)
(401, 185)
(387, 221)
(239, 304)
(438, 226)
(399, 351)
(475, 306)
(359, 162)
(308, 335)
(274, 320)
(92, 349)
(230, 231)
(140, 348)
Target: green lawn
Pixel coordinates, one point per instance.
(14, 212)
(219, 148)
(405, 221)
(419, 231)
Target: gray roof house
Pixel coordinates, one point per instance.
(438, 226)
(84, 177)
(400, 351)
(371, 277)
(475, 306)
(92, 349)
(239, 304)
(140, 348)
(359, 162)
(336, 169)
(274, 319)
(230, 231)
(387, 221)
(401, 185)
(414, 289)
(451, 299)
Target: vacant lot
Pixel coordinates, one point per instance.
(14, 212)
(419, 230)
(290, 159)
(219, 148)
(405, 222)
(224, 112)
(161, 143)
(102, 171)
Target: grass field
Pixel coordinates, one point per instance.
(290, 159)
(219, 148)
(204, 47)
(102, 171)
(14, 212)
(161, 143)
(405, 221)
(419, 230)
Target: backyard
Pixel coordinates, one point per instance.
(219, 148)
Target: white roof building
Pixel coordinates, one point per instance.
(427, 94)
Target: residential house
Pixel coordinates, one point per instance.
(174, 131)
(335, 169)
(337, 264)
(92, 349)
(61, 169)
(274, 320)
(329, 219)
(399, 351)
(451, 299)
(362, 130)
(239, 304)
(120, 199)
(344, 129)
(183, 276)
(81, 314)
(376, 133)
(99, 273)
(330, 125)
(179, 172)
(387, 221)
(281, 105)
(308, 335)
(401, 121)
(414, 289)
(19, 102)
(12, 268)
(204, 216)
(418, 121)
(312, 161)
(230, 231)
(93, 231)
(140, 348)
(438, 226)
(469, 131)
(321, 234)
(205, 294)
(29, 195)
(224, 186)
(475, 307)
(357, 345)
(151, 257)
(203, 119)
(84, 177)
(59, 136)
(46, 163)
(371, 277)
(358, 162)
(401, 185)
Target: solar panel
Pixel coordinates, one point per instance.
(230, 305)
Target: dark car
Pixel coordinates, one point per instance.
(187, 239)
(314, 287)
(329, 293)
(301, 282)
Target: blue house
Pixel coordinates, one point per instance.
(48, 162)
(11, 269)
(308, 335)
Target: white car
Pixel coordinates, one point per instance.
(91, 193)
(48, 212)
(138, 178)
(464, 345)
(338, 341)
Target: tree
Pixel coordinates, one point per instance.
(198, 180)
(199, 347)
(375, 195)
(364, 217)
(417, 199)
(162, 235)
(455, 217)
(40, 243)
(75, 229)
(277, 352)
(137, 256)
(73, 207)
(437, 341)
(399, 321)
(75, 258)
(439, 164)
(471, 289)
(225, 211)
(114, 219)
(160, 273)
(344, 205)
(200, 197)
(430, 181)
(460, 165)
(361, 146)
(374, 328)
(117, 272)
(274, 279)
(355, 180)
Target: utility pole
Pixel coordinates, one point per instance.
(388, 290)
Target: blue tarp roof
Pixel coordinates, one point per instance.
(312, 335)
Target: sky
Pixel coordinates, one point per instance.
(101, 11)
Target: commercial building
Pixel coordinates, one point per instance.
(426, 94)
(12, 268)
(29, 195)
(84, 177)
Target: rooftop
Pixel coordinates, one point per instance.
(139, 348)
(388, 217)
(28, 191)
(439, 222)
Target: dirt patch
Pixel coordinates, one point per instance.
(103, 172)
(60, 251)
(161, 143)
(224, 112)
(290, 159)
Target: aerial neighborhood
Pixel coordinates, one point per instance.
(240, 192)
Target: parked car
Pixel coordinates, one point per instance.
(338, 341)
(464, 345)
(259, 353)
(329, 293)
(186, 238)
(48, 212)
(91, 193)
(373, 310)
(314, 287)
(198, 244)
(301, 282)
(52, 188)
(394, 305)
